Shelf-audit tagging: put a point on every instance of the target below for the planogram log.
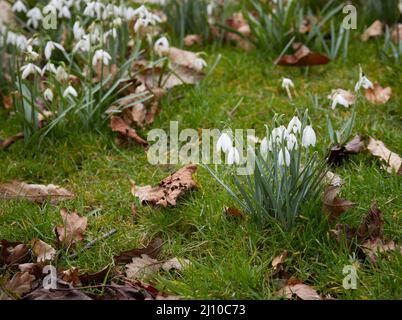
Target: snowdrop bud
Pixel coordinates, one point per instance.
(70, 91)
(161, 46)
(363, 82)
(199, 64)
(294, 125)
(286, 83)
(224, 143)
(48, 95)
(309, 138)
(284, 160)
(34, 16)
(233, 156)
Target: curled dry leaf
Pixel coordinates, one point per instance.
(278, 261)
(20, 283)
(372, 248)
(4, 144)
(233, 212)
(119, 125)
(142, 266)
(240, 25)
(169, 189)
(303, 56)
(7, 102)
(34, 192)
(192, 39)
(175, 263)
(372, 224)
(13, 253)
(355, 145)
(73, 227)
(396, 34)
(333, 205)
(378, 94)
(378, 149)
(375, 30)
(43, 251)
(302, 291)
(333, 179)
(184, 58)
(338, 153)
(152, 250)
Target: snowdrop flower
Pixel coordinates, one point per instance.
(294, 125)
(78, 31)
(281, 160)
(253, 139)
(64, 12)
(291, 141)
(264, 147)
(309, 138)
(70, 91)
(161, 46)
(101, 55)
(111, 32)
(28, 69)
(84, 44)
(287, 84)
(145, 18)
(61, 75)
(19, 6)
(339, 99)
(34, 16)
(279, 134)
(363, 82)
(224, 143)
(199, 64)
(48, 67)
(32, 54)
(50, 45)
(48, 95)
(93, 9)
(233, 156)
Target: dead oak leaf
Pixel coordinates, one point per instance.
(142, 266)
(378, 149)
(4, 144)
(372, 248)
(372, 224)
(34, 192)
(119, 125)
(169, 189)
(303, 56)
(152, 250)
(192, 39)
(333, 205)
(175, 263)
(396, 34)
(73, 227)
(374, 30)
(378, 94)
(302, 291)
(278, 261)
(43, 251)
(13, 253)
(20, 283)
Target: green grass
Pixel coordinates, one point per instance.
(230, 259)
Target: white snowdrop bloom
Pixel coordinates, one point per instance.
(117, 22)
(224, 143)
(287, 83)
(161, 46)
(94, 9)
(294, 125)
(145, 18)
(363, 81)
(279, 134)
(309, 138)
(95, 33)
(61, 74)
(199, 64)
(84, 44)
(129, 14)
(253, 139)
(19, 6)
(48, 67)
(107, 34)
(264, 146)
(78, 31)
(28, 69)
(48, 95)
(31, 53)
(339, 99)
(101, 55)
(64, 12)
(50, 45)
(291, 141)
(233, 156)
(70, 91)
(35, 16)
(284, 160)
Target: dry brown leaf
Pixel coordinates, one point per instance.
(338, 153)
(333, 205)
(34, 192)
(372, 248)
(142, 266)
(372, 224)
(184, 58)
(378, 149)
(301, 290)
(20, 283)
(378, 94)
(333, 179)
(355, 145)
(192, 39)
(73, 227)
(175, 263)
(303, 56)
(238, 23)
(13, 253)
(233, 212)
(152, 250)
(169, 189)
(278, 261)
(4, 144)
(43, 251)
(119, 125)
(375, 30)
(396, 34)
(7, 102)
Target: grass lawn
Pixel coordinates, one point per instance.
(230, 258)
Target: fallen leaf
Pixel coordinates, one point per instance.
(375, 30)
(126, 291)
(333, 205)
(378, 149)
(396, 34)
(302, 291)
(303, 56)
(184, 58)
(20, 283)
(73, 227)
(338, 153)
(43, 251)
(34, 192)
(7, 102)
(240, 25)
(169, 189)
(175, 263)
(378, 94)
(355, 145)
(372, 224)
(94, 278)
(152, 250)
(119, 125)
(4, 144)
(333, 179)
(278, 261)
(62, 293)
(233, 212)
(142, 266)
(192, 39)
(372, 248)
(13, 253)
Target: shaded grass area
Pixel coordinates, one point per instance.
(230, 259)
